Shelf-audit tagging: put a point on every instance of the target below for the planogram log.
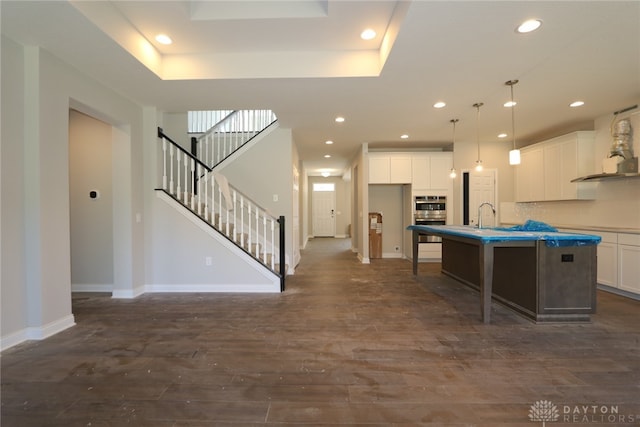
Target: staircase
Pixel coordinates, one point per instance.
(193, 182)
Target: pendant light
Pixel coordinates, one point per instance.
(452, 173)
(514, 154)
(478, 162)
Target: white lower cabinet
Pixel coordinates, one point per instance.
(608, 259)
(430, 251)
(618, 259)
(629, 262)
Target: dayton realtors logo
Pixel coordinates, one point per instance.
(545, 411)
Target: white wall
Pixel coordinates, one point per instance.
(183, 244)
(175, 126)
(36, 285)
(91, 222)
(13, 294)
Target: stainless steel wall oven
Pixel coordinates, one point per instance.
(430, 210)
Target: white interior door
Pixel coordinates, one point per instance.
(324, 213)
(482, 188)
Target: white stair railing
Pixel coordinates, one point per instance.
(208, 194)
(231, 133)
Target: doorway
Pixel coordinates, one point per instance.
(478, 188)
(323, 209)
(90, 203)
(114, 257)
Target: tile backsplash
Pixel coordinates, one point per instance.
(616, 205)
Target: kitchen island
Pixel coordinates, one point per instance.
(545, 276)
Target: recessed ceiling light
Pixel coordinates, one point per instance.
(510, 104)
(163, 39)
(502, 135)
(439, 104)
(405, 136)
(339, 119)
(326, 156)
(328, 142)
(529, 25)
(368, 34)
(576, 104)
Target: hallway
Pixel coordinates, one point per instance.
(345, 344)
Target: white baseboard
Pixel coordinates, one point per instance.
(128, 293)
(392, 255)
(37, 332)
(363, 260)
(79, 287)
(236, 288)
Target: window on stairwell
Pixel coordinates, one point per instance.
(202, 121)
(232, 121)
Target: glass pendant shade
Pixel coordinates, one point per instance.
(453, 173)
(514, 157)
(478, 166)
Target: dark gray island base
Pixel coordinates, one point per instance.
(546, 277)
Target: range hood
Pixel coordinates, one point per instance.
(605, 176)
(620, 163)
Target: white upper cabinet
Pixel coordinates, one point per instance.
(547, 168)
(430, 171)
(424, 171)
(400, 169)
(421, 171)
(379, 168)
(529, 175)
(389, 168)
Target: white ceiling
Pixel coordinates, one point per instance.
(304, 60)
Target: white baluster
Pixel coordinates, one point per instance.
(164, 163)
(213, 198)
(224, 145)
(250, 237)
(264, 239)
(273, 244)
(240, 137)
(199, 186)
(178, 159)
(171, 169)
(193, 185)
(242, 221)
(219, 208)
(206, 198)
(227, 230)
(235, 216)
(185, 197)
(257, 232)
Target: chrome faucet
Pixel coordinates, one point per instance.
(480, 212)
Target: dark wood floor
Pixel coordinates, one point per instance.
(347, 343)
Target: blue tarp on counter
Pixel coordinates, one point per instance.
(521, 233)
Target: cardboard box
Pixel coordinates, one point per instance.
(375, 235)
